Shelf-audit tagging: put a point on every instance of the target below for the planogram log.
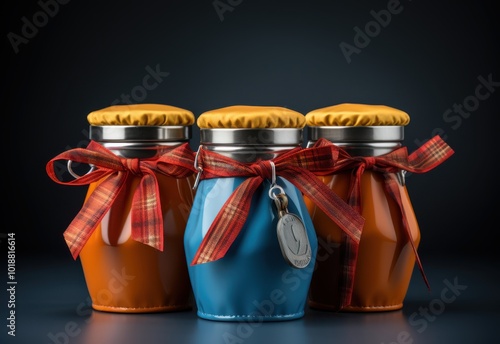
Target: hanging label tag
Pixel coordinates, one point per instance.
(292, 235)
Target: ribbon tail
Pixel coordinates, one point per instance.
(332, 205)
(97, 205)
(350, 256)
(354, 193)
(147, 217)
(350, 248)
(227, 224)
(392, 187)
(428, 156)
(350, 221)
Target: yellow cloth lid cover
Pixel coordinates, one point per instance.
(248, 116)
(349, 114)
(141, 114)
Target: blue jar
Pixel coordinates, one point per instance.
(253, 281)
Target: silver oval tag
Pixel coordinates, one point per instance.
(293, 240)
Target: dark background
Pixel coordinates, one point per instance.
(282, 53)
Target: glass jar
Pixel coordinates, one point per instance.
(370, 176)
(251, 281)
(128, 266)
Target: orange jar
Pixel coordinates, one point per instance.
(370, 176)
(133, 259)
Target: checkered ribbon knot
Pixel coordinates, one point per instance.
(112, 172)
(428, 156)
(292, 165)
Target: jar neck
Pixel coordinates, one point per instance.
(136, 141)
(360, 141)
(139, 133)
(364, 149)
(140, 150)
(250, 145)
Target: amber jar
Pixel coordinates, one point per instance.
(385, 258)
(122, 274)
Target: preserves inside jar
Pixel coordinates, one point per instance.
(124, 275)
(385, 259)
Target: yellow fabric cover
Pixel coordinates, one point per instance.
(349, 114)
(248, 116)
(141, 114)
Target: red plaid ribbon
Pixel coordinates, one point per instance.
(425, 158)
(294, 166)
(146, 214)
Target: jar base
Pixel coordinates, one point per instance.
(248, 318)
(372, 308)
(158, 309)
(359, 309)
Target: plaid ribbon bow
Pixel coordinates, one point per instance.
(146, 214)
(294, 166)
(425, 158)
